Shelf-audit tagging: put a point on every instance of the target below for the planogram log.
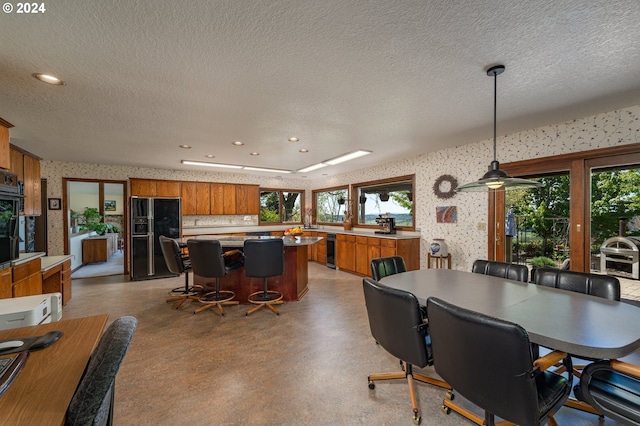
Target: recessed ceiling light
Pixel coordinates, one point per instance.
(303, 150)
(238, 143)
(255, 153)
(347, 157)
(48, 78)
(294, 139)
(185, 146)
(210, 156)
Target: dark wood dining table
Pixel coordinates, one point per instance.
(583, 325)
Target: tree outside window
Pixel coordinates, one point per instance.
(328, 207)
(280, 206)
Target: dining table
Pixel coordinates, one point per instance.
(583, 325)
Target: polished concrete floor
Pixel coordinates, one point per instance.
(308, 366)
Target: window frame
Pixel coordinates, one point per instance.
(280, 192)
(355, 188)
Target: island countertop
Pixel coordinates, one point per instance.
(238, 240)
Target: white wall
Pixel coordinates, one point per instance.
(466, 163)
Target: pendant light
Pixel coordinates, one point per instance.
(496, 178)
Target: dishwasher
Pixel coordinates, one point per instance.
(331, 251)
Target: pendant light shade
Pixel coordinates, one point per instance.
(496, 178)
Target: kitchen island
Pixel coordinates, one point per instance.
(293, 284)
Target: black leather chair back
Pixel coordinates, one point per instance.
(173, 257)
(384, 266)
(489, 362)
(614, 394)
(264, 258)
(206, 258)
(509, 271)
(396, 322)
(604, 286)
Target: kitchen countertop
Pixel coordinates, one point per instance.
(189, 231)
(49, 262)
(238, 240)
(26, 257)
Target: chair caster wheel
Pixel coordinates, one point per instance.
(372, 385)
(417, 419)
(450, 395)
(446, 409)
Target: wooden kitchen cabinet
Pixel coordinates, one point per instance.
(321, 248)
(203, 198)
(58, 280)
(99, 249)
(229, 201)
(6, 290)
(346, 252)
(27, 279)
(5, 151)
(247, 199)
(217, 198)
(27, 167)
(188, 194)
(142, 187)
(168, 188)
(367, 248)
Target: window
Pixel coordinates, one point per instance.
(393, 196)
(278, 206)
(330, 204)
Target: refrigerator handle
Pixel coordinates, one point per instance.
(151, 255)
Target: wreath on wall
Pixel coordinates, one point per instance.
(437, 187)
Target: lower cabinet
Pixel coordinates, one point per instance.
(27, 279)
(6, 290)
(58, 280)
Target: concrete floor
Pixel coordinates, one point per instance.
(309, 366)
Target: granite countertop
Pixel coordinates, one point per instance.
(48, 262)
(238, 241)
(189, 231)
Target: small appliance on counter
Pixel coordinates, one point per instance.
(386, 223)
(30, 310)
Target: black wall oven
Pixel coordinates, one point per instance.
(10, 197)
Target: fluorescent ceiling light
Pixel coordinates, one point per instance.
(204, 163)
(347, 157)
(260, 169)
(313, 167)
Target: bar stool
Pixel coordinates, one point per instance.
(208, 261)
(177, 263)
(263, 259)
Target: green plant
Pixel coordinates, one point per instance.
(542, 261)
(93, 217)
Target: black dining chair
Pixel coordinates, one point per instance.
(604, 286)
(92, 402)
(397, 324)
(384, 266)
(612, 387)
(209, 261)
(489, 362)
(178, 263)
(264, 258)
(510, 271)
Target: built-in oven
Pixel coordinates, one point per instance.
(331, 251)
(9, 214)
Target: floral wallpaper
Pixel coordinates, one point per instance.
(466, 239)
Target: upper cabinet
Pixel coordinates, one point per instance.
(5, 154)
(202, 198)
(27, 167)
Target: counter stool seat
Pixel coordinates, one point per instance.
(264, 259)
(177, 263)
(209, 261)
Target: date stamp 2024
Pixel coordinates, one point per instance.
(24, 8)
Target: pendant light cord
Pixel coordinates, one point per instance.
(495, 112)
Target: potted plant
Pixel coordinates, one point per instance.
(93, 217)
(74, 221)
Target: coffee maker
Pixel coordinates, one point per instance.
(387, 224)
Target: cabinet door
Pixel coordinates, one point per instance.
(362, 259)
(188, 194)
(203, 198)
(217, 198)
(167, 188)
(36, 196)
(17, 164)
(229, 202)
(5, 152)
(6, 291)
(143, 187)
(346, 252)
(30, 286)
(247, 199)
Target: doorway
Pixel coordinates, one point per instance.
(96, 226)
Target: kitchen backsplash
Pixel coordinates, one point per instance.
(219, 220)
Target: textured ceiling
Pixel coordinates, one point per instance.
(400, 78)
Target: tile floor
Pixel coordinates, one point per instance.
(309, 366)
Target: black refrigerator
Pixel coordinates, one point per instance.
(150, 218)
